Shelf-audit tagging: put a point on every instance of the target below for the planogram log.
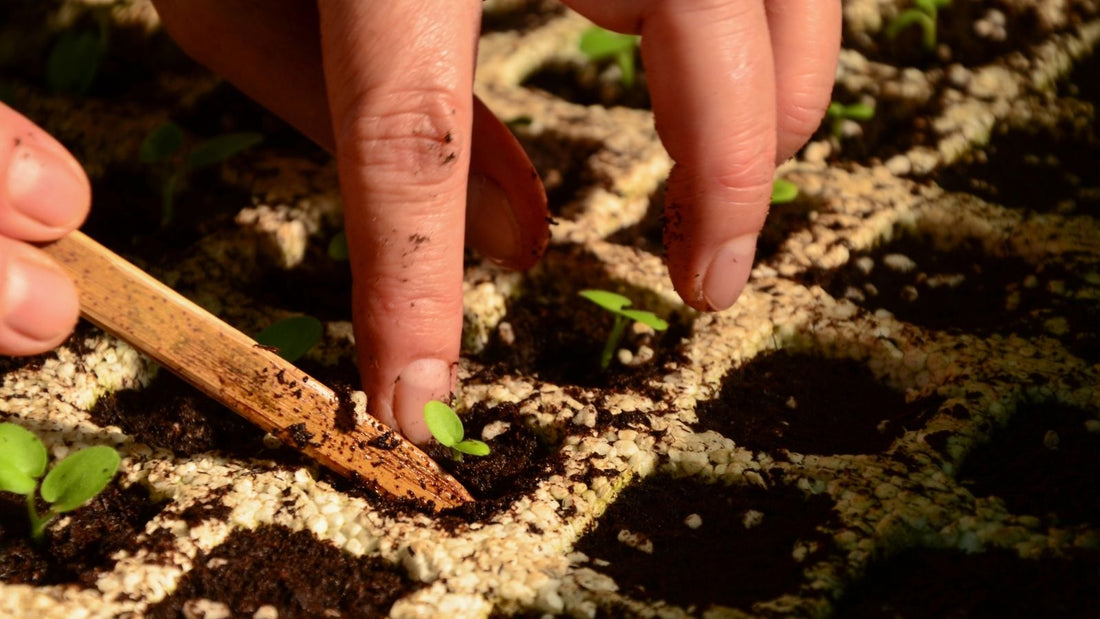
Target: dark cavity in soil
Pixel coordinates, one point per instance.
(1046, 463)
(295, 572)
(1051, 171)
(994, 583)
(898, 125)
(520, 16)
(557, 336)
(78, 552)
(779, 401)
(562, 164)
(743, 552)
(592, 83)
(967, 289)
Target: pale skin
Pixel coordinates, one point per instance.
(736, 85)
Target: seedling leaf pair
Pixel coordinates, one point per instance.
(617, 304)
(837, 113)
(69, 484)
(446, 427)
(783, 191)
(74, 60)
(598, 43)
(165, 144)
(292, 337)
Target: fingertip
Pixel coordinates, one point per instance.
(421, 381)
(39, 304)
(44, 192)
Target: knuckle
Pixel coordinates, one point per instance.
(414, 135)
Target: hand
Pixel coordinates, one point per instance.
(44, 195)
(736, 86)
(387, 87)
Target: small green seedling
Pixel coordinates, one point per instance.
(839, 112)
(164, 146)
(69, 484)
(75, 57)
(783, 191)
(338, 246)
(617, 304)
(598, 43)
(446, 427)
(923, 13)
(292, 337)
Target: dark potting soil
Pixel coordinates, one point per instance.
(79, 551)
(586, 85)
(1043, 444)
(1043, 172)
(562, 164)
(956, 37)
(743, 551)
(171, 414)
(518, 460)
(294, 572)
(780, 401)
(993, 583)
(520, 16)
(983, 293)
(558, 336)
(897, 126)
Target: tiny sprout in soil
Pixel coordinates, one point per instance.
(164, 146)
(446, 427)
(69, 484)
(838, 113)
(598, 43)
(292, 337)
(75, 57)
(338, 246)
(617, 304)
(923, 13)
(783, 191)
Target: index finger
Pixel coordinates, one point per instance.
(712, 83)
(399, 77)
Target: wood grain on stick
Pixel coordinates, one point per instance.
(232, 368)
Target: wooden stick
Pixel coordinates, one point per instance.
(233, 369)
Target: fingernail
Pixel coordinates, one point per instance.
(728, 271)
(46, 184)
(491, 227)
(419, 382)
(39, 301)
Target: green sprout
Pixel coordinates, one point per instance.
(165, 146)
(598, 43)
(446, 427)
(69, 484)
(923, 13)
(292, 337)
(74, 59)
(839, 112)
(617, 304)
(338, 246)
(783, 191)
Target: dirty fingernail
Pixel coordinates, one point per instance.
(420, 381)
(491, 226)
(46, 184)
(39, 302)
(728, 271)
